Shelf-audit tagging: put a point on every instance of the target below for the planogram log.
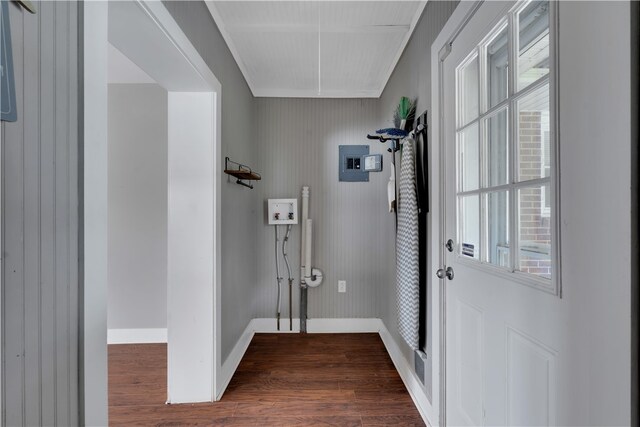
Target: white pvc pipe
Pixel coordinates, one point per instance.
(315, 279)
(303, 229)
(307, 255)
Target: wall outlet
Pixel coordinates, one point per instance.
(342, 286)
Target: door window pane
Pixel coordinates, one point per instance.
(470, 226)
(468, 92)
(533, 47)
(505, 145)
(497, 148)
(535, 232)
(534, 135)
(469, 158)
(498, 228)
(498, 68)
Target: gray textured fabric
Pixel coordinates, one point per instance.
(407, 249)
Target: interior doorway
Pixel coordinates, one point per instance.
(187, 232)
(141, 31)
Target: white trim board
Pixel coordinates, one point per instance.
(137, 336)
(409, 378)
(318, 326)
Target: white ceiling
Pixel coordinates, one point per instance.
(316, 48)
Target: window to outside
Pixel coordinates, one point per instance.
(505, 145)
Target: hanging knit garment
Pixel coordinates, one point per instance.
(407, 250)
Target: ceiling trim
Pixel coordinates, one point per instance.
(227, 38)
(288, 93)
(364, 29)
(406, 39)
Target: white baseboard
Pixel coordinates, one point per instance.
(137, 336)
(318, 326)
(411, 382)
(265, 325)
(327, 326)
(233, 360)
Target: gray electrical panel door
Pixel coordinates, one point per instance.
(7, 89)
(351, 167)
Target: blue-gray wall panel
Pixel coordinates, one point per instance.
(40, 220)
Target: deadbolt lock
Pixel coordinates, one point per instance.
(449, 245)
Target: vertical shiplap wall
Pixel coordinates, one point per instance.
(40, 221)
(238, 203)
(298, 143)
(412, 78)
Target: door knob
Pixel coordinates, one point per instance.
(442, 273)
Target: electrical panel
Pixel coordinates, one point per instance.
(282, 211)
(351, 168)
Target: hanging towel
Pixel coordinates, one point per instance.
(391, 189)
(407, 249)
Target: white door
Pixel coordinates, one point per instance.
(503, 301)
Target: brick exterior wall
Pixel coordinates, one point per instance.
(535, 227)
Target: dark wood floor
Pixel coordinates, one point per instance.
(283, 380)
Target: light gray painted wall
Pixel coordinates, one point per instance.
(137, 206)
(239, 215)
(40, 221)
(635, 95)
(353, 230)
(412, 78)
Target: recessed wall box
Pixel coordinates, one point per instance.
(372, 162)
(282, 211)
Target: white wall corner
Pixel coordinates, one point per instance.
(137, 336)
(409, 378)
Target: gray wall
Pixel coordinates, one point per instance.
(40, 221)
(412, 78)
(238, 203)
(137, 206)
(353, 231)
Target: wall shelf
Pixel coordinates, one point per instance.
(241, 172)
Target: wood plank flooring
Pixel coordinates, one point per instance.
(283, 380)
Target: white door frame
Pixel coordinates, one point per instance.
(439, 51)
(93, 336)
